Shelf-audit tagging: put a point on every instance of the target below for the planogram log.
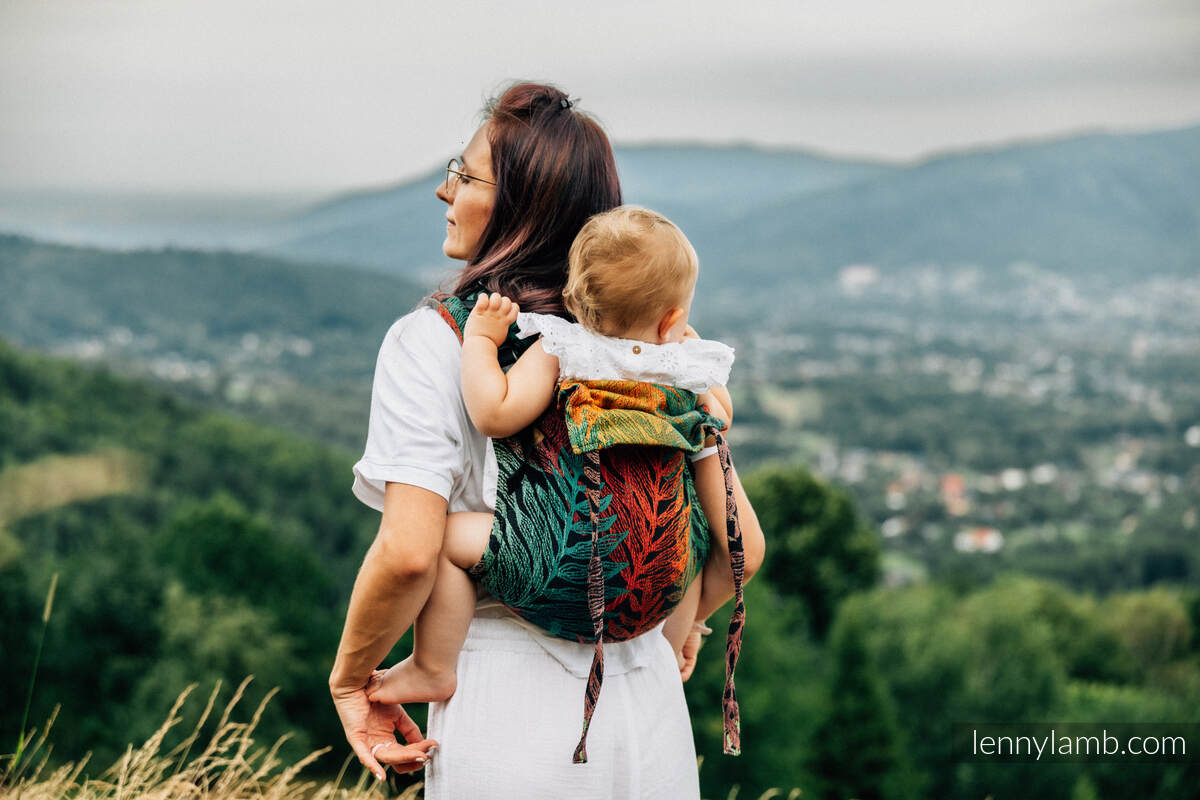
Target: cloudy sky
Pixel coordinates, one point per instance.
(285, 95)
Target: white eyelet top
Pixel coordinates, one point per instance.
(693, 364)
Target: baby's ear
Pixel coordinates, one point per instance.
(672, 319)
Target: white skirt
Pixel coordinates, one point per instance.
(511, 728)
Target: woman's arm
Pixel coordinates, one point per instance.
(393, 582)
(392, 585)
(501, 404)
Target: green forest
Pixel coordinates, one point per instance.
(192, 546)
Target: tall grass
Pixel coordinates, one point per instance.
(37, 657)
(230, 766)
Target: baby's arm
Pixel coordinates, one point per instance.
(719, 404)
(717, 398)
(501, 404)
(717, 577)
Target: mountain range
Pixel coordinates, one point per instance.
(1102, 205)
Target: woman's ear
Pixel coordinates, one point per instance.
(672, 325)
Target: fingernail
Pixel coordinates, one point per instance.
(420, 760)
(378, 776)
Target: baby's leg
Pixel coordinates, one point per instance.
(467, 534)
(716, 579)
(711, 588)
(441, 629)
(442, 624)
(680, 621)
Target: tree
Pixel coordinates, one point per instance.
(858, 750)
(817, 549)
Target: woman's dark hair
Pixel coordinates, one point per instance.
(554, 168)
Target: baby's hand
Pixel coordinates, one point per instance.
(491, 317)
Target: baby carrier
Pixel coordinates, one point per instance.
(596, 500)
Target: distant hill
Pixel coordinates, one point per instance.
(185, 297)
(1107, 206)
(142, 220)
(244, 329)
(727, 180)
(398, 229)
(1098, 206)
(1102, 205)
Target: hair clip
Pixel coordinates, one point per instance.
(565, 103)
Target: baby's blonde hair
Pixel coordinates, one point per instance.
(628, 267)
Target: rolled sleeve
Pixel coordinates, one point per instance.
(415, 432)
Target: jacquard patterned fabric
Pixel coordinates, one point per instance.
(602, 414)
(597, 530)
(653, 535)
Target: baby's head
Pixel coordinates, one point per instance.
(632, 275)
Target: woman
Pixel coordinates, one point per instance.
(525, 184)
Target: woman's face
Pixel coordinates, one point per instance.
(470, 201)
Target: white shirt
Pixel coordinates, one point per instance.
(693, 364)
(419, 434)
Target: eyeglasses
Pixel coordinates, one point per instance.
(456, 177)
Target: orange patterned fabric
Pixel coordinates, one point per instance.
(603, 414)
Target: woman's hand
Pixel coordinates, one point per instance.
(371, 731)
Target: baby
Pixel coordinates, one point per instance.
(631, 280)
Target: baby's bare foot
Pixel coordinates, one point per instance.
(406, 682)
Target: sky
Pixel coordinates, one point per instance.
(262, 96)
